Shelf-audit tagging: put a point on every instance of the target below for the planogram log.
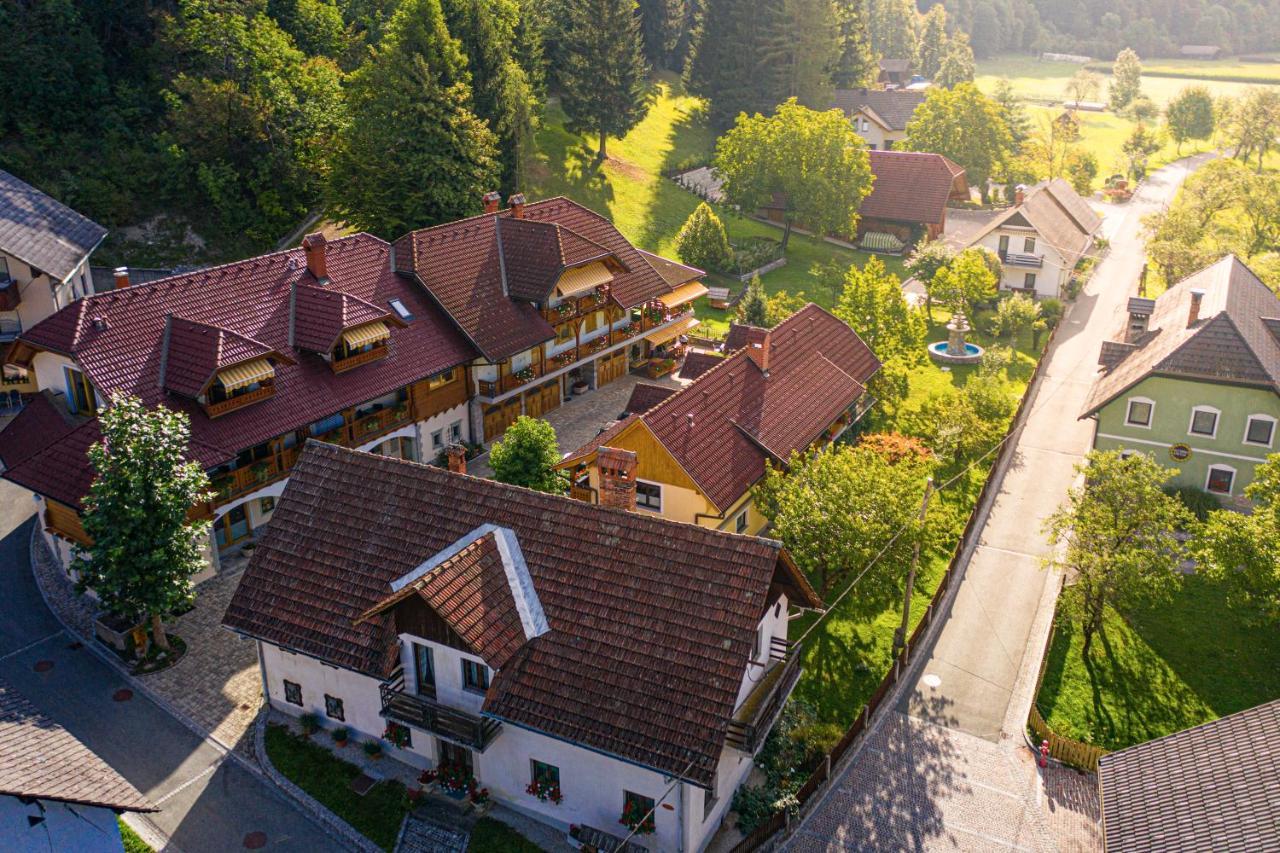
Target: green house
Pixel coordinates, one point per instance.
(1195, 380)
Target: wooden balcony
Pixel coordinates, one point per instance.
(213, 410)
(365, 429)
(341, 365)
(574, 308)
(470, 730)
(581, 493)
(252, 477)
(753, 720)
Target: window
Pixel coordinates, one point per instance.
(649, 496)
(266, 506)
(441, 379)
(4, 270)
(455, 431)
(475, 675)
(1204, 421)
(1260, 430)
(333, 708)
(80, 392)
(638, 810)
(424, 669)
(437, 439)
(401, 311)
(740, 523)
(1220, 479)
(328, 424)
(1004, 245)
(293, 693)
(757, 650)
(1029, 281)
(564, 333)
(1139, 413)
(1029, 245)
(544, 774)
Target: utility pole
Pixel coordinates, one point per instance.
(900, 635)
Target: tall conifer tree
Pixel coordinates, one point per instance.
(856, 63)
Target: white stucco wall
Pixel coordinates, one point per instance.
(1051, 277)
(772, 624)
(362, 704)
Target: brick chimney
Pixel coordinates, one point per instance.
(122, 277)
(516, 203)
(491, 201)
(314, 247)
(758, 352)
(617, 477)
(1019, 194)
(1193, 314)
(457, 456)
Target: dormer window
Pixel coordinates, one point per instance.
(240, 385)
(360, 345)
(80, 396)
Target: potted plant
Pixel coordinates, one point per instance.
(310, 724)
(480, 798)
(427, 779)
(544, 791)
(636, 818)
(340, 736)
(579, 386)
(260, 471)
(454, 779)
(411, 797)
(373, 749)
(396, 734)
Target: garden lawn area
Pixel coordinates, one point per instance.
(1159, 669)
(848, 655)
(313, 768)
(632, 190)
(133, 843)
(494, 836)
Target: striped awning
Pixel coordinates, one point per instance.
(365, 334)
(684, 293)
(671, 332)
(584, 278)
(245, 373)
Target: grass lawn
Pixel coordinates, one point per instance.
(648, 208)
(132, 842)
(1159, 669)
(314, 769)
(846, 658)
(494, 836)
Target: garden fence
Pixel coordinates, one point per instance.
(809, 792)
(1079, 754)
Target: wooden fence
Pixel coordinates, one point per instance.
(1073, 752)
(819, 776)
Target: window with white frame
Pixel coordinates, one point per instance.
(437, 439)
(1220, 480)
(1028, 244)
(1204, 421)
(649, 496)
(1260, 430)
(455, 431)
(1139, 412)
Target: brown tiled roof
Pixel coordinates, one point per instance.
(42, 422)
(723, 427)
(42, 760)
(651, 621)
(891, 107)
(673, 272)
(645, 395)
(1215, 787)
(1059, 215)
(1230, 341)
(196, 351)
(697, 363)
(741, 334)
(122, 351)
(910, 186)
(471, 275)
(321, 314)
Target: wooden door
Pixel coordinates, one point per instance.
(610, 368)
(550, 394)
(533, 403)
(498, 418)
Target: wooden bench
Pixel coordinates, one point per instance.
(718, 297)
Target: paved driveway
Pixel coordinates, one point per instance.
(208, 802)
(947, 769)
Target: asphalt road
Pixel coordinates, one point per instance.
(208, 802)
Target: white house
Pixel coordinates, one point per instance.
(879, 116)
(1041, 238)
(55, 794)
(625, 660)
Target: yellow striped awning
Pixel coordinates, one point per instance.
(245, 373)
(580, 279)
(671, 332)
(684, 293)
(365, 334)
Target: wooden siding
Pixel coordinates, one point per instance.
(65, 522)
(653, 462)
(414, 616)
(428, 403)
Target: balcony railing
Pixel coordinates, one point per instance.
(341, 365)
(230, 404)
(573, 308)
(470, 730)
(752, 722)
(1018, 259)
(370, 426)
(255, 476)
(10, 327)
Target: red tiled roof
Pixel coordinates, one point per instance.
(463, 265)
(647, 641)
(41, 422)
(122, 351)
(724, 426)
(196, 351)
(698, 363)
(645, 395)
(321, 314)
(909, 186)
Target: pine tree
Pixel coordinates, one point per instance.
(1013, 111)
(856, 65)
(413, 153)
(892, 27)
(602, 73)
(753, 308)
(810, 46)
(501, 92)
(933, 41)
(738, 63)
(660, 25)
(702, 241)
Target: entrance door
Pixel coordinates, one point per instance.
(611, 367)
(533, 403)
(453, 754)
(550, 394)
(498, 418)
(232, 527)
(425, 669)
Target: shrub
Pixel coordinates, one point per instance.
(340, 735)
(1051, 310)
(310, 723)
(754, 805)
(702, 241)
(754, 252)
(372, 748)
(526, 455)
(894, 447)
(1200, 502)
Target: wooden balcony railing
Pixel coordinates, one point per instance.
(580, 493)
(573, 308)
(760, 710)
(341, 365)
(213, 410)
(370, 426)
(468, 729)
(255, 476)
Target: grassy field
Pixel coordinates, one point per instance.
(1159, 669)
(648, 208)
(133, 843)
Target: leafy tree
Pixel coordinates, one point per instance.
(961, 424)
(145, 549)
(1143, 109)
(957, 63)
(1084, 85)
(1119, 535)
(872, 305)
(316, 26)
(964, 125)
(413, 153)
(835, 510)
(753, 308)
(812, 161)
(1015, 316)
(1190, 115)
(856, 65)
(1255, 123)
(932, 46)
(1012, 111)
(782, 304)
(1244, 550)
(966, 282)
(54, 76)
(1126, 79)
(1049, 146)
(1138, 148)
(702, 241)
(1081, 169)
(526, 455)
(923, 264)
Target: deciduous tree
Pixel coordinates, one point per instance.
(873, 305)
(957, 63)
(1118, 535)
(966, 282)
(964, 125)
(145, 549)
(1084, 85)
(1126, 79)
(1255, 123)
(1015, 316)
(1244, 550)
(526, 455)
(1190, 115)
(923, 264)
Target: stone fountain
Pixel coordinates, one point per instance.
(955, 349)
